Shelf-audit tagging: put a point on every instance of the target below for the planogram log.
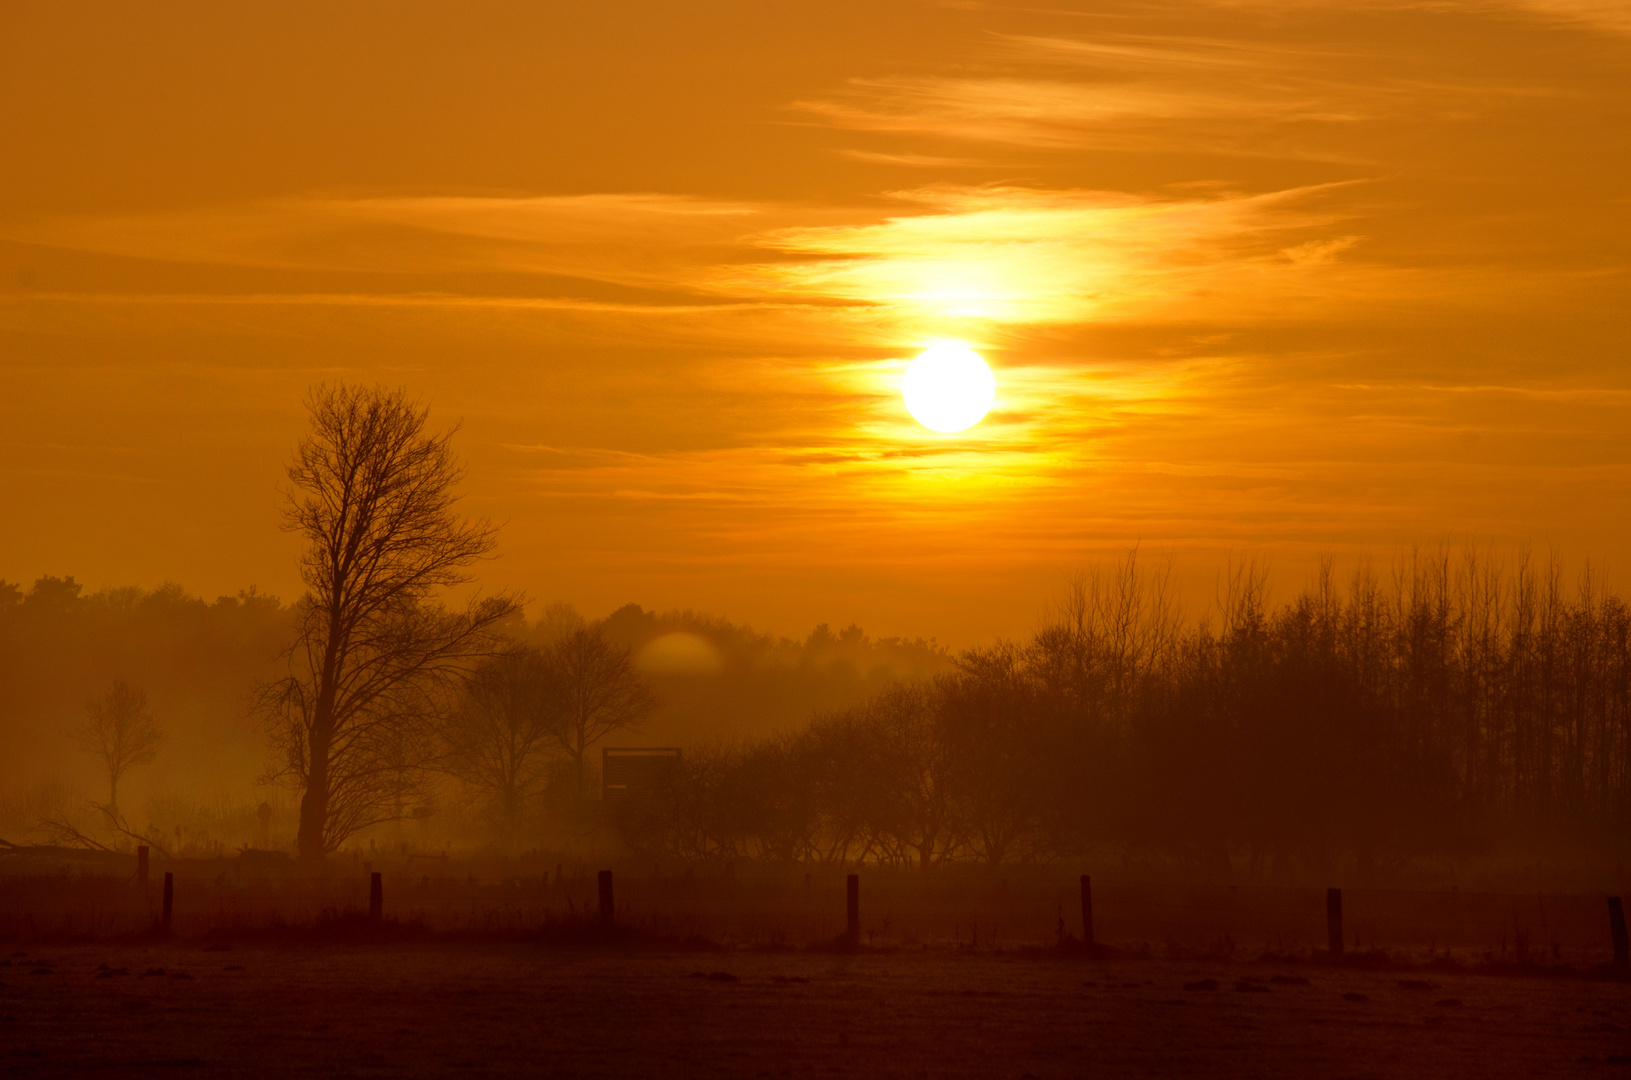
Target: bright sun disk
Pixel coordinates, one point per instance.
(948, 388)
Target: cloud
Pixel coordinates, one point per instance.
(627, 239)
(1003, 254)
(1239, 96)
(1613, 16)
(1038, 256)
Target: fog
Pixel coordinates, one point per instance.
(199, 663)
(1449, 717)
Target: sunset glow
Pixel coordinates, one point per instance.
(629, 538)
(1267, 278)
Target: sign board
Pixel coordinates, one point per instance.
(633, 769)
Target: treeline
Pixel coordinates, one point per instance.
(1452, 709)
(510, 745)
(199, 663)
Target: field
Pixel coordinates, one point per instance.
(80, 894)
(466, 1008)
(485, 969)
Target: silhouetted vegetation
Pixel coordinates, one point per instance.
(527, 719)
(593, 692)
(121, 731)
(1442, 715)
(499, 736)
(1447, 712)
(197, 663)
(356, 715)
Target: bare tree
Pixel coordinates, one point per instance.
(914, 761)
(500, 736)
(121, 730)
(375, 655)
(599, 693)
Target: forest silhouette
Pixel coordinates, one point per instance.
(1452, 713)
(1449, 713)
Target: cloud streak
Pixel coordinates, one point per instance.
(1143, 92)
(638, 240)
(1032, 256)
(998, 254)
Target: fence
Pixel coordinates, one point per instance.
(902, 907)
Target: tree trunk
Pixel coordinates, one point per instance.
(314, 803)
(311, 841)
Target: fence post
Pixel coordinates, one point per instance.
(141, 866)
(1333, 920)
(169, 901)
(376, 896)
(852, 905)
(1087, 912)
(606, 909)
(1616, 927)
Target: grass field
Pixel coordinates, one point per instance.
(756, 906)
(479, 970)
(440, 1007)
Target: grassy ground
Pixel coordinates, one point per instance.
(1009, 906)
(438, 1007)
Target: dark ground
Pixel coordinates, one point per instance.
(442, 1007)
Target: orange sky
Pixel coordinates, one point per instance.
(1280, 278)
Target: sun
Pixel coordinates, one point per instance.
(948, 388)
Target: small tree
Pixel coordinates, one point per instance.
(375, 654)
(500, 736)
(988, 721)
(598, 692)
(912, 765)
(121, 730)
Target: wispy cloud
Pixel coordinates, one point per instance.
(635, 239)
(1036, 256)
(1610, 15)
(1003, 254)
(1142, 92)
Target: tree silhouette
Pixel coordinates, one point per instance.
(501, 735)
(374, 656)
(598, 690)
(121, 730)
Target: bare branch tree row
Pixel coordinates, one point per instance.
(1436, 714)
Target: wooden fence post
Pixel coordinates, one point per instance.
(1333, 920)
(606, 909)
(852, 910)
(169, 901)
(1087, 912)
(376, 896)
(1616, 927)
(141, 866)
